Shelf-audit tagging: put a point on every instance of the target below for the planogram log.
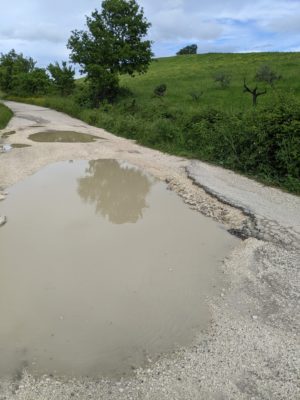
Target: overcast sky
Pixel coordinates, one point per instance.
(41, 28)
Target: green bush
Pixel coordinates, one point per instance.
(5, 115)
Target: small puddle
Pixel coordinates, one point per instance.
(63, 137)
(6, 148)
(102, 269)
(7, 134)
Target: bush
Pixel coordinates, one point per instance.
(267, 75)
(222, 78)
(5, 115)
(35, 82)
(160, 90)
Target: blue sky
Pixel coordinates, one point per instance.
(41, 28)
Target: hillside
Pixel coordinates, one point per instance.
(186, 74)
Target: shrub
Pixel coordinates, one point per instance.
(222, 78)
(196, 96)
(267, 75)
(160, 90)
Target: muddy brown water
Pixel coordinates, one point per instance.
(102, 270)
(63, 137)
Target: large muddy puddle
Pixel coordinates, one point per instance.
(63, 137)
(102, 270)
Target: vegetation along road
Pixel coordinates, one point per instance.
(251, 350)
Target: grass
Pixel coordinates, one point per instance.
(5, 116)
(198, 119)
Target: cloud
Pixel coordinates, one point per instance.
(33, 34)
(174, 24)
(41, 27)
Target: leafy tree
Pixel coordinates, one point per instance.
(192, 49)
(113, 44)
(267, 75)
(35, 82)
(11, 65)
(62, 77)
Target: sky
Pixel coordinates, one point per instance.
(41, 28)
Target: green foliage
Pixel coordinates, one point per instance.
(160, 90)
(222, 128)
(62, 77)
(113, 44)
(11, 66)
(196, 96)
(267, 75)
(192, 49)
(5, 115)
(35, 82)
(223, 79)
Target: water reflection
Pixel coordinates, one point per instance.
(119, 192)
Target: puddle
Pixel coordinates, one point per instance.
(7, 134)
(102, 269)
(19, 145)
(63, 137)
(6, 148)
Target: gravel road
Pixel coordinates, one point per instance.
(252, 349)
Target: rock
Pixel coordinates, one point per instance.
(3, 220)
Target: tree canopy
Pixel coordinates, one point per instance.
(62, 77)
(192, 49)
(113, 44)
(11, 65)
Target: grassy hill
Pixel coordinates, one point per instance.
(197, 118)
(195, 73)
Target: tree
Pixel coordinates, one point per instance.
(267, 75)
(113, 44)
(11, 65)
(192, 49)
(32, 83)
(62, 77)
(255, 93)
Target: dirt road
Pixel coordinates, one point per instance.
(251, 350)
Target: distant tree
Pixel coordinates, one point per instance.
(223, 78)
(62, 77)
(113, 44)
(192, 49)
(11, 65)
(267, 75)
(254, 92)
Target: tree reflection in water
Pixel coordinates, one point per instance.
(119, 192)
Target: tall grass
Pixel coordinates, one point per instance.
(5, 115)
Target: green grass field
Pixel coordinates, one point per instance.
(186, 74)
(5, 116)
(222, 126)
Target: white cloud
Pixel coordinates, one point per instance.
(41, 27)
